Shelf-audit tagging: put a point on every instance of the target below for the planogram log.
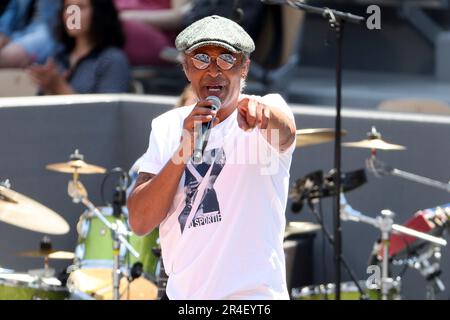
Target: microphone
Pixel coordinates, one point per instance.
(204, 131)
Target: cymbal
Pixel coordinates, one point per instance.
(73, 166)
(298, 227)
(374, 144)
(51, 254)
(23, 212)
(306, 137)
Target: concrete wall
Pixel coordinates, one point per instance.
(113, 131)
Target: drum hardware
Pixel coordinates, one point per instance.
(78, 193)
(307, 137)
(385, 224)
(315, 186)
(380, 169)
(161, 276)
(6, 183)
(428, 264)
(312, 188)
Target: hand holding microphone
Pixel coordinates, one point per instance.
(197, 126)
(204, 131)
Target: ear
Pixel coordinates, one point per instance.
(245, 69)
(186, 71)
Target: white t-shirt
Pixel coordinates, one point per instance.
(231, 245)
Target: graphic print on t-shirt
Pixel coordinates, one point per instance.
(208, 210)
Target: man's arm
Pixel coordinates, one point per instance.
(271, 119)
(152, 197)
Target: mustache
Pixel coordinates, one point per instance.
(219, 81)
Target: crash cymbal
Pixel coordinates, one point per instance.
(51, 254)
(374, 142)
(306, 137)
(76, 165)
(23, 212)
(299, 227)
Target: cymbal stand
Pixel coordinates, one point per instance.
(78, 193)
(380, 169)
(386, 225)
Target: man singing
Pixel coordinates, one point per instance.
(221, 221)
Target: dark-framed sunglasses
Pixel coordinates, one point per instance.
(225, 61)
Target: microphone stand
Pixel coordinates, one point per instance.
(336, 20)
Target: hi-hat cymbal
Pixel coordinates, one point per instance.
(73, 166)
(23, 212)
(51, 254)
(374, 142)
(306, 137)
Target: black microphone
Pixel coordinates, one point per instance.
(204, 131)
(136, 271)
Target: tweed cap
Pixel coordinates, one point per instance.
(217, 31)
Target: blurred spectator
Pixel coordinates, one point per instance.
(91, 58)
(150, 26)
(26, 32)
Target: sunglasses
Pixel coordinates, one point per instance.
(225, 61)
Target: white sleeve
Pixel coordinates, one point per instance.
(276, 100)
(155, 159)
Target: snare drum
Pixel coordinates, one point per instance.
(349, 291)
(21, 286)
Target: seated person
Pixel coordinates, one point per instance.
(90, 55)
(150, 26)
(26, 32)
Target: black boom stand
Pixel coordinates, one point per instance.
(336, 20)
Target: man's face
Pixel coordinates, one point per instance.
(214, 80)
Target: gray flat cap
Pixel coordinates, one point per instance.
(216, 31)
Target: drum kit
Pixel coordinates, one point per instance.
(416, 244)
(111, 262)
(108, 262)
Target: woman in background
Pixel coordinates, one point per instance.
(91, 59)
